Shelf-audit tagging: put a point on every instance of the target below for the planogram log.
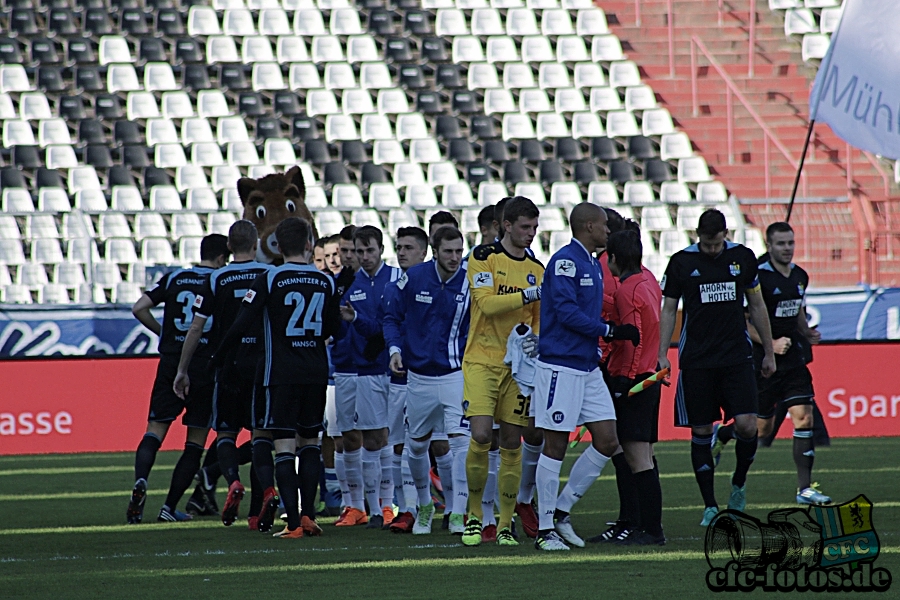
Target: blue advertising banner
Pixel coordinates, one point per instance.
(111, 330)
(73, 331)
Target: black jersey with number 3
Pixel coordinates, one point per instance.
(221, 300)
(784, 297)
(714, 331)
(300, 310)
(179, 290)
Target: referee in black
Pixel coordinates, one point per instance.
(715, 354)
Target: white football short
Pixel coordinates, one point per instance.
(565, 398)
(396, 414)
(434, 404)
(372, 402)
(345, 401)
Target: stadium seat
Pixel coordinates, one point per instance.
(799, 21)
(814, 46)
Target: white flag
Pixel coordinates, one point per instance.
(857, 88)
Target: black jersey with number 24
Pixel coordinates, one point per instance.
(179, 290)
(713, 331)
(300, 309)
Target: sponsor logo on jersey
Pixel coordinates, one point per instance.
(718, 292)
(198, 301)
(734, 269)
(532, 279)
(249, 296)
(484, 279)
(788, 308)
(587, 280)
(558, 417)
(776, 292)
(565, 267)
(424, 297)
(357, 296)
(696, 273)
(508, 289)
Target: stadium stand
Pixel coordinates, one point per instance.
(125, 131)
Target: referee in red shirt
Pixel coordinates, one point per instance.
(637, 302)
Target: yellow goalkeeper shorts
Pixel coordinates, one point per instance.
(492, 392)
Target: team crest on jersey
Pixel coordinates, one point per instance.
(800, 289)
(735, 269)
(249, 296)
(558, 417)
(460, 298)
(198, 301)
(401, 283)
(565, 267)
(532, 279)
(484, 279)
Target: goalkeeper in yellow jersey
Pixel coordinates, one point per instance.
(504, 279)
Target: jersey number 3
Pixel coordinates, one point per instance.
(186, 299)
(310, 314)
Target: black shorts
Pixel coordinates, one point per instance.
(165, 406)
(704, 394)
(791, 388)
(637, 417)
(297, 408)
(233, 402)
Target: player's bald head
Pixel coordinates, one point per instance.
(583, 214)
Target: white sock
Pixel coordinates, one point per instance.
(445, 472)
(547, 477)
(387, 476)
(419, 467)
(397, 472)
(584, 473)
(353, 470)
(491, 491)
(530, 456)
(409, 486)
(459, 445)
(371, 472)
(341, 473)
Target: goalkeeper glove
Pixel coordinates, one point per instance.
(531, 294)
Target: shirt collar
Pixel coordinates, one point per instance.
(366, 275)
(575, 241)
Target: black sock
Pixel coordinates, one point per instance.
(184, 472)
(228, 460)
(745, 451)
(655, 466)
(245, 453)
(725, 433)
(262, 462)
(286, 473)
(309, 471)
(820, 432)
(804, 455)
(560, 514)
(256, 493)
(146, 455)
(628, 499)
(650, 493)
(212, 454)
(704, 470)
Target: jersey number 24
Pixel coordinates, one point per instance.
(311, 314)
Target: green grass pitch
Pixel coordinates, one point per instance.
(63, 535)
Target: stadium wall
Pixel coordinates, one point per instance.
(100, 405)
